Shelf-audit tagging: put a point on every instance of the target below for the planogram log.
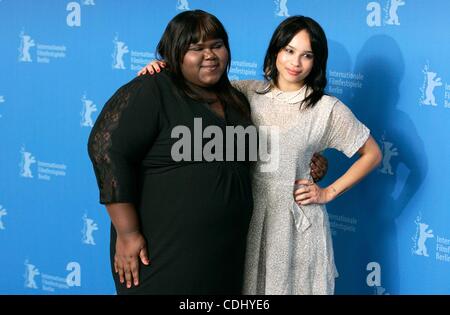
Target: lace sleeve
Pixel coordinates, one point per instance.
(122, 134)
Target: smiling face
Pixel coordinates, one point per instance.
(205, 62)
(295, 62)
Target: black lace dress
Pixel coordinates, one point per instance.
(193, 214)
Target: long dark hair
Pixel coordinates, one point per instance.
(283, 34)
(190, 27)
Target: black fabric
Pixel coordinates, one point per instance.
(194, 214)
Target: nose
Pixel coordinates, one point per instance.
(209, 54)
(296, 61)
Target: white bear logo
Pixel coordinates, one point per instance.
(88, 228)
(2, 213)
(86, 114)
(182, 5)
(24, 49)
(393, 16)
(432, 82)
(27, 160)
(30, 272)
(120, 50)
(281, 8)
(424, 234)
(380, 291)
(388, 152)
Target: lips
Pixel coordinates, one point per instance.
(292, 72)
(214, 66)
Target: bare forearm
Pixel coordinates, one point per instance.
(123, 217)
(370, 158)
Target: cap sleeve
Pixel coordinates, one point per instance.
(120, 138)
(344, 131)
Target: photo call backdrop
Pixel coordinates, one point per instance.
(61, 60)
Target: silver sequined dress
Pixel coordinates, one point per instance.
(287, 255)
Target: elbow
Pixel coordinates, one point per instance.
(372, 153)
(92, 147)
(378, 157)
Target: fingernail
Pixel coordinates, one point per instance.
(151, 72)
(128, 285)
(157, 70)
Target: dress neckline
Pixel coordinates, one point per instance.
(203, 93)
(290, 97)
(207, 97)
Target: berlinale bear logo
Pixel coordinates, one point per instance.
(432, 81)
(182, 5)
(2, 213)
(26, 42)
(282, 9)
(25, 164)
(374, 18)
(422, 235)
(30, 272)
(120, 49)
(86, 114)
(89, 226)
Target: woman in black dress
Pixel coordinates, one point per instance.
(178, 227)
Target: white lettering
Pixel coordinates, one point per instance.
(73, 279)
(191, 305)
(374, 17)
(215, 144)
(181, 150)
(374, 277)
(74, 17)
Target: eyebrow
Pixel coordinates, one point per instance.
(305, 51)
(213, 42)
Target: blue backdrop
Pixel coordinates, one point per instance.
(61, 60)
